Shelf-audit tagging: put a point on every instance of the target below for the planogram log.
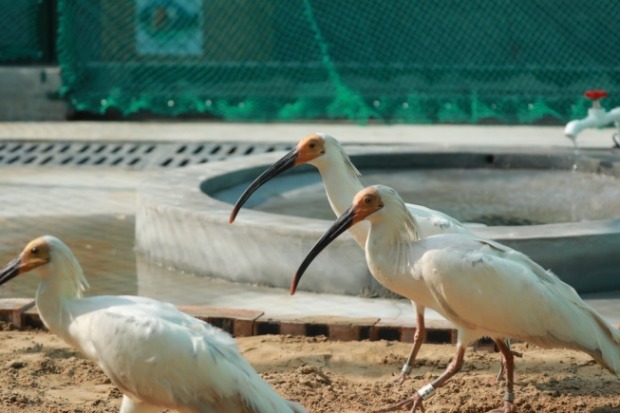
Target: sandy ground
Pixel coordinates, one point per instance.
(40, 374)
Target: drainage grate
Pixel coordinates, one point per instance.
(125, 155)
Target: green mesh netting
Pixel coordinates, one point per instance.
(20, 35)
(397, 61)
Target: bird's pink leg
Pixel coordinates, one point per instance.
(418, 338)
(515, 353)
(509, 366)
(425, 392)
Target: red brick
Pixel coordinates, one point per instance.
(455, 336)
(346, 328)
(406, 334)
(389, 327)
(344, 332)
(32, 319)
(238, 322)
(292, 328)
(243, 328)
(12, 310)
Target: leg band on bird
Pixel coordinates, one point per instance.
(426, 391)
(406, 368)
(509, 396)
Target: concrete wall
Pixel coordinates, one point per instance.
(30, 94)
(180, 224)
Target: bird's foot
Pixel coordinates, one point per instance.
(400, 379)
(403, 375)
(508, 407)
(516, 353)
(413, 403)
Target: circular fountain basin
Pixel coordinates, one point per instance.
(567, 220)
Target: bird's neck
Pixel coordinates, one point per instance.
(61, 286)
(397, 227)
(391, 255)
(393, 238)
(53, 308)
(341, 184)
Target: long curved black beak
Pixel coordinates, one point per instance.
(343, 223)
(11, 270)
(283, 164)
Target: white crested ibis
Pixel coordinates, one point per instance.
(484, 288)
(157, 356)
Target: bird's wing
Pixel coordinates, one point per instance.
(431, 222)
(165, 357)
(485, 286)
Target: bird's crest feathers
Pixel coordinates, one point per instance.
(67, 264)
(409, 229)
(333, 143)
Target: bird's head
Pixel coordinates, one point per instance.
(36, 254)
(311, 147)
(53, 260)
(366, 203)
(307, 150)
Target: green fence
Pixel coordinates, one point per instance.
(426, 61)
(27, 31)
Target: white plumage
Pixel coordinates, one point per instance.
(158, 356)
(342, 181)
(483, 287)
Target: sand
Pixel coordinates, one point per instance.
(41, 374)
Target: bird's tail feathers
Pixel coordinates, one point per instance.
(608, 339)
(591, 334)
(581, 328)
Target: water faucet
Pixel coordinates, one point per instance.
(597, 118)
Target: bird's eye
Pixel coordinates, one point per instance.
(34, 250)
(368, 200)
(312, 145)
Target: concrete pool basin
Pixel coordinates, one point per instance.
(182, 218)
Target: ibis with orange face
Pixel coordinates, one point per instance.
(484, 288)
(342, 181)
(157, 356)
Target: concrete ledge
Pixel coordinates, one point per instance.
(542, 137)
(22, 313)
(264, 248)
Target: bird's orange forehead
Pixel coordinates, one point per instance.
(313, 138)
(38, 248)
(366, 202)
(309, 148)
(365, 194)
